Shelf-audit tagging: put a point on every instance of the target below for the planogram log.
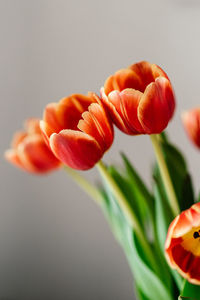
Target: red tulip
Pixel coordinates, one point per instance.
(191, 122)
(182, 245)
(29, 150)
(78, 130)
(139, 99)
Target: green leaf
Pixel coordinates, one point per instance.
(151, 285)
(113, 213)
(163, 218)
(198, 198)
(127, 188)
(164, 136)
(191, 291)
(163, 215)
(179, 175)
(187, 196)
(144, 199)
(141, 190)
(140, 294)
(162, 222)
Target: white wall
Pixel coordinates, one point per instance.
(55, 243)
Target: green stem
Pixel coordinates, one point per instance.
(128, 212)
(84, 184)
(173, 202)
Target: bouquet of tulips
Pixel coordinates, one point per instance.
(158, 228)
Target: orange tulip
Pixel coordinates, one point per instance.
(78, 130)
(139, 99)
(29, 150)
(182, 245)
(191, 122)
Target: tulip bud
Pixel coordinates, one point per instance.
(29, 150)
(140, 99)
(182, 246)
(191, 123)
(78, 130)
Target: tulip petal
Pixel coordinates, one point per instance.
(183, 225)
(76, 149)
(130, 100)
(29, 150)
(156, 106)
(65, 114)
(18, 138)
(96, 123)
(154, 109)
(194, 274)
(121, 80)
(50, 118)
(157, 72)
(144, 71)
(62, 115)
(70, 109)
(46, 131)
(182, 258)
(114, 111)
(115, 98)
(187, 219)
(89, 126)
(36, 156)
(191, 122)
(182, 247)
(32, 126)
(75, 127)
(103, 123)
(12, 156)
(185, 262)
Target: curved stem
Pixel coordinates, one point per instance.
(173, 202)
(119, 196)
(128, 212)
(84, 184)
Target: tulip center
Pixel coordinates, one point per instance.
(196, 234)
(191, 241)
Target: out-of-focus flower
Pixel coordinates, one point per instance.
(191, 122)
(78, 130)
(139, 99)
(182, 245)
(29, 150)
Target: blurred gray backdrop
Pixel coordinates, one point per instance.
(54, 241)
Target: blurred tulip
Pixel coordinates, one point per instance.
(29, 150)
(78, 130)
(139, 99)
(191, 122)
(182, 245)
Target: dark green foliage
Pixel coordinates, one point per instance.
(153, 213)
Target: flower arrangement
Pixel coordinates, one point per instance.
(159, 229)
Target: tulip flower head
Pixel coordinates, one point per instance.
(182, 247)
(191, 123)
(78, 130)
(139, 99)
(29, 150)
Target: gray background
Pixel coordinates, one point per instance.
(54, 241)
